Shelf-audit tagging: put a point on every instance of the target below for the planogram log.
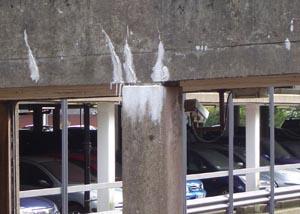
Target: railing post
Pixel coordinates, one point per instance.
(272, 149)
(231, 151)
(64, 156)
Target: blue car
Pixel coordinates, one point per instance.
(194, 189)
(37, 205)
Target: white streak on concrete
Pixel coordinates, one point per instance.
(292, 25)
(34, 70)
(287, 44)
(160, 71)
(128, 65)
(141, 101)
(117, 67)
(59, 11)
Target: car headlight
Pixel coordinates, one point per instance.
(93, 195)
(52, 210)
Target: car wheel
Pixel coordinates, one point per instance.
(75, 208)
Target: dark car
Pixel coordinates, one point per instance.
(44, 172)
(201, 160)
(282, 177)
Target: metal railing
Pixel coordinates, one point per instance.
(241, 199)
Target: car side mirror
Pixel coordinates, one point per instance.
(266, 156)
(44, 183)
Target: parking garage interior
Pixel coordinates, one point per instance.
(41, 129)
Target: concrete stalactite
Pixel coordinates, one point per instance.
(160, 71)
(34, 70)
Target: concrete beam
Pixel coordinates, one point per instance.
(153, 166)
(205, 39)
(213, 99)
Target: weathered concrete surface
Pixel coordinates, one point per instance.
(243, 38)
(153, 166)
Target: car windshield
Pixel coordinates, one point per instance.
(280, 152)
(242, 156)
(216, 159)
(75, 174)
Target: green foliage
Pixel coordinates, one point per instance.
(281, 114)
(213, 118)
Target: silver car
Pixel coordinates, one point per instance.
(44, 172)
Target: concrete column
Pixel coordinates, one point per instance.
(236, 117)
(105, 153)
(252, 145)
(264, 121)
(153, 154)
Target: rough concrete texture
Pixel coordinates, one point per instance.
(203, 38)
(153, 166)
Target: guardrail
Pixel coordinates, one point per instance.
(241, 199)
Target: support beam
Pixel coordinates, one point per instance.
(105, 153)
(65, 157)
(222, 109)
(236, 117)
(153, 155)
(5, 160)
(264, 122)
(37, 119)
(252, 145)
(87, 154)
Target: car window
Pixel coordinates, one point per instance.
(280, 152)
(75, 174)
(31, 175)
(196, 164)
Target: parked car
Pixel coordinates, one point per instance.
(37, 205)
(282, 156)
(202, 160)
(195, 189)
(44, 172)
(282, 177)
(290, 140)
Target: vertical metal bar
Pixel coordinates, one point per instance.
(64, 156)
(230, 153)
(272, 149)
(222, 109)
(184, 145)
(87, 154)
